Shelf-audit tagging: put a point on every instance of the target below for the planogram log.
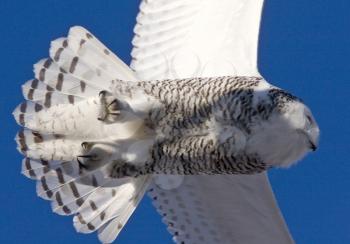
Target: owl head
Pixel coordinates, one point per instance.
(289, 133)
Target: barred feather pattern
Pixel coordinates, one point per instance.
(202, 125)
(99, 171)
(188, 103)
(60, 113)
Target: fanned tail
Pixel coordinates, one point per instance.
(60, 114)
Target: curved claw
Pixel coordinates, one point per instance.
(102, 93)
(110, 107)
(86, 145)
(81, 165)
(86, 165)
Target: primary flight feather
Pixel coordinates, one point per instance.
(95, 134)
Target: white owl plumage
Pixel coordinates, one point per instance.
(64, 122)
(60, 113)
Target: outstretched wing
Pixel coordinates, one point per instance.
(186, 38)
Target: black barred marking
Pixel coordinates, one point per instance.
(21, 120)
(38, 138)
(47, 102)
(94, 181)
(49, 193)
(120, 226)
(102, 215)
(35, 83)
(58, 136)
(80, 218)
(93, 205)
(90, 226)
(60, 176)
(63, 70)
(47, 63)
(38, 107)
(58, 54)
(29, 168)
(88, 35)
(74, 189)
(82, 41)
(42, 74)
(59, 82)
(58, 199)
(65, 43)
(185, 155)
(22, 141)
(44, 162)
(71, 99)
(30, 94)
(66, 210)
(106, 51)
(73, 64)
(281, 97)
(82, 86)
(23, 107)
(79, 202)
(49, 88)
(46, 169)
(194, 101)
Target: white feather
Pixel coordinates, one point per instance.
(62, 114)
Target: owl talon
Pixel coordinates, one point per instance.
(110, 107)
(86, 161)
(87, 145)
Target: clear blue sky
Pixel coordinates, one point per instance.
(304, 48)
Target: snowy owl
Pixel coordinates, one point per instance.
(97, 134)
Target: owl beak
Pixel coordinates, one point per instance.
(313, 147)
(313, 136)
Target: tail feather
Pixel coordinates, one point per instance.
(110, 229)
(83, 69)
(48, 73)
(56, 177)
(47, 98)
(97, 212)
(119, 68)
(59, 115)
(36, 145)
(35, 169)
(25, 112)
(93, 209)
(70, 199)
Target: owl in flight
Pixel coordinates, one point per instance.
(192, 122)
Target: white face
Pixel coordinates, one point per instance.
(301, 119)
(285, 138)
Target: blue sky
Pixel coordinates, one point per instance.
(304, 48)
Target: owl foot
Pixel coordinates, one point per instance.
(95, 155)
(110, 107)
(89, 159)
